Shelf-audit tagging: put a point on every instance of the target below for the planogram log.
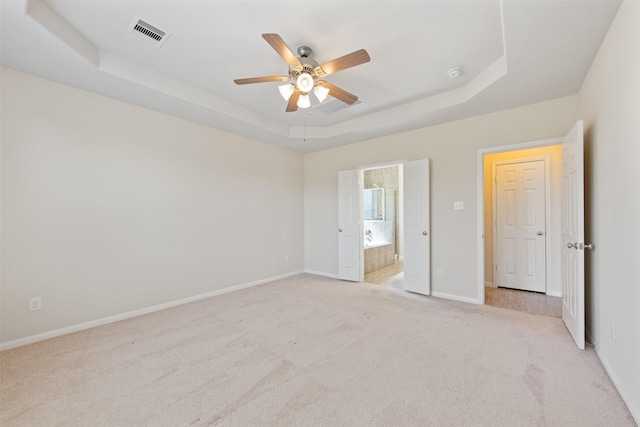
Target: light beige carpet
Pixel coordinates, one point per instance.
(312, 351)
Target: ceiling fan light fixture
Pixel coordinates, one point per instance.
(305, 82)
(304, 72)
(286, 91)
(304, 101)
(321, 92)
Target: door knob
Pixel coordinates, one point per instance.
(586, 246)
(424, 233)
(340, 230)
(572, 245)
(540, 233)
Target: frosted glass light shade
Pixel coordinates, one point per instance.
(321, 92)
(305, 82)
(286, 91)
(304, 101)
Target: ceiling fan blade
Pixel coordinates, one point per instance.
(340, 94)
(264, 79)
(293, 101)
(350, 60)
(281, 47)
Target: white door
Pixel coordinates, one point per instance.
(417, 237)
(573, 233)
(520, 226)
(348, 226)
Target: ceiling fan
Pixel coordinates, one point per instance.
(305, 72)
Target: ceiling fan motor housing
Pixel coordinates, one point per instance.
(309, 65)
(295, 70)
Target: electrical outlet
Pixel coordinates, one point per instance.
(35, 304)
(458, 206)
(439, 272)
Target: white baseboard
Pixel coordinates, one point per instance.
(555, 293)
(490, 284)
(320, 273)
(633, 407)
(456, 298)
(111, 319)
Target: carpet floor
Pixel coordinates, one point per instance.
(312, 351)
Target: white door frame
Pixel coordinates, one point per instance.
(400, 164)
(547, 201)
(480, 203)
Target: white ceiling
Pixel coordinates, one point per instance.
(513, 53)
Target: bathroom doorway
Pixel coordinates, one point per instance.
(382, 225)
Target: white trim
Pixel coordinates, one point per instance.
(321, 273)
(383, 165)
(457, 298)
(633, 407)
(490, 284)
(480, 225)
(547, 209)
(135, 313)
(555, 294)
(521, 146)
(480, 202)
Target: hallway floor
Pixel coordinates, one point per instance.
(528, 302)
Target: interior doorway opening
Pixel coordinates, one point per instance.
(522, 242)
(382, 225)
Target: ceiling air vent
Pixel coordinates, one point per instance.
(334, 106)
(145, 31)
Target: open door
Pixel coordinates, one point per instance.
(573, 233)
(348, 226)
(417, 235)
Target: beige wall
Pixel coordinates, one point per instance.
(453, 150)
(108, 207)
(554, 230)
(610, 105)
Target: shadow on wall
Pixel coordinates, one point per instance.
(588, 231)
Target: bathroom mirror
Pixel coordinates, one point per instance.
(374, 204)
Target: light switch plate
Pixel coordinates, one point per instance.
(458, 206)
